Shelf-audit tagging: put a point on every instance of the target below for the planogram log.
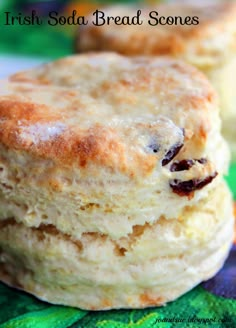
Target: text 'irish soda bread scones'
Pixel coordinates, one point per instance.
(210, 45)
(111, 179)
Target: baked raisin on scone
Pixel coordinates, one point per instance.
(209, 45)
(111, 181)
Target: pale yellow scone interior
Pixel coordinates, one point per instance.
(210, 45)
(111, 181)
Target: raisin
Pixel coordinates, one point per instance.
(183, 165)
(202, 160)
(185, 188)
(186, 164)
(171, 154)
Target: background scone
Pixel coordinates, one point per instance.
(111, 181)
(210, 46)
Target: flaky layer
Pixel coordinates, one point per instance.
(96, 272)
(36, 192)
(106, 121)
(71, 146)
(106, 159)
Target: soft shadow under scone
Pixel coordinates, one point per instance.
(210, 46)
(111, 182)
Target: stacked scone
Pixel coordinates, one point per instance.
(210, 45)
(111, 181)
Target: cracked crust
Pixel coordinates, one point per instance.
(67, 112)
(88, 148)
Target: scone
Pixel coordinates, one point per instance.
(111, 181)
(210, 45)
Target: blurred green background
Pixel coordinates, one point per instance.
(45, 41)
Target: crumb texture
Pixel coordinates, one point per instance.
(111, 179)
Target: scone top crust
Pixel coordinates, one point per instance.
(127, 115)
(205, 45)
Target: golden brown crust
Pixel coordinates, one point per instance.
(77, 117)
(146, 300)
(212, 38)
